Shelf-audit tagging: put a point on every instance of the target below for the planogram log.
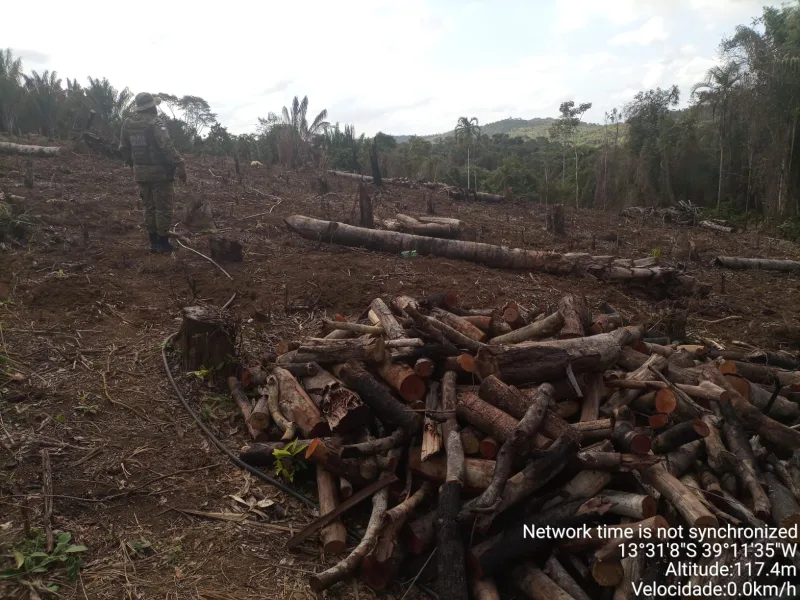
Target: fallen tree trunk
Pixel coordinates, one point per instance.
(765, 264)
(547, 327)
(717, 227)
(605, 268)
(409, 224)
(45, 151)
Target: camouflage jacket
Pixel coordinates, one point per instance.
(145, 141)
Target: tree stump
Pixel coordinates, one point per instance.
(365, 204)
(198, 215)
(206, 339)
(373, 159)
(555, 219)
(223, 249)
(28, 178)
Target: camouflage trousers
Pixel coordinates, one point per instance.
(157, 198)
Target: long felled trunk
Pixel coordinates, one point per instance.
(765, 264)
(644, 271)
(9, 148)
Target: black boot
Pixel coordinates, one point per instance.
(164, 244)
(154, 245)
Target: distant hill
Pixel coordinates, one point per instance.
(590, 134)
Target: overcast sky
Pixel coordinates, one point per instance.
(398, 66)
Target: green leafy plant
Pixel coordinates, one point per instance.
(285, 465)
(203, 373)
(656, 253)
(30, 558)
(790, 229)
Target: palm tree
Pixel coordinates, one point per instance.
(10, 90)
(45, 93)
(716, 91)
(465, 130)
(110, 106)
(295, 134)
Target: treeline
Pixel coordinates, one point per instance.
(733, 150)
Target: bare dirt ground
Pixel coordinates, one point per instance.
(84, 309)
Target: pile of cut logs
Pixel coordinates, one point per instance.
(463, 426)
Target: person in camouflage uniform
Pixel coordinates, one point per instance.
(146, 146)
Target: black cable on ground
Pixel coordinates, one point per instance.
(239, 462)
(222, 447)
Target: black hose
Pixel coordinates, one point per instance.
(222, 447)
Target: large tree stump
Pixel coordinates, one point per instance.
(223, 249)
(206, 339)
(365, 205)
(28, 178)
(555, 220)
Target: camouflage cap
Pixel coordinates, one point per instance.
(144, 101)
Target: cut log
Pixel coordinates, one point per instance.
(420, 532)
(463, 363)
(370, 446)
(761, 373)
(365, 208)
(781, 359)
(626, 437)
(545, 328)
(718, 458)
(341, 407)
(515, 445)
(576, 316)
(681, 460)
(554, 220)
(484, 323)
(428, 228)
(27, 179)
(493, 421)
(459, 324)
(484, 589)
(687, 504)
(785, 510)
(402, 378)
(333, 535)
(242, 401)
(322, 581)
(43, 151)
(606, 268)
(471, 440)
(450, 546)
(449, 403)
(354, 327)
(592, 431)
(766, 264)
(387, 320)
(329, 458)
(424, 367)
(635, 506)
(288, 428)
(680, 434)
(324, 351)
(604, 323)
(206, 338)
(261, 454)
(622, 398)
(298, 407)
(391, 412)
(535, 584)
(477, 472)
(556, 571)
(613, 461)
(517, 316)
(488, 447)
(533, 362)
(225, 250)
(782, 409)
(717, 227)
(595, 390)
(432, 430)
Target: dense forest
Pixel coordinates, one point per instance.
(733, 150)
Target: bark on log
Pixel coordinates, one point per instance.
(515, 445)
(535, 584)
(420, 532)
(625, 435)
(635, 506)
(329, 457)
(298, 407)
(402, 378)
(493, 421)
(477, 472)
(471, 440)
(206, 338)
(454, 336)
(339, 351)
(380, 400)
(432, 430)
(260, 454)
(592, 431)
(680, 434)
(686, 503)
(604, 323)
(576, 316)
(322, 581)
(717, 455)
(782, 359)
(484, 323)
(463, 363)
(387, 320)
(354, 327)
(785, 510)
(484, 589)
(681, 460)
(547, 327)
(343, 409)
(516, 316)
(449, 403)
(408, 224)
(450, 546)
(333, 535)
(288, 428)
(762, 373)
(242, 401)
(43, 151)
(586, 484)
(459, 324)
(782, 409)
(622, 398)
(554, 220)
(614, 461)
(606, 268)
(595, 390)
(372, 446)
(766, 264)
(260, 416)
(556, 571)
(365, 208)
(633, 568)
(424, 367)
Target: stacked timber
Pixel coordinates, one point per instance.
(467, 428)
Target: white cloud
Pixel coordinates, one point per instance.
(651, 31)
